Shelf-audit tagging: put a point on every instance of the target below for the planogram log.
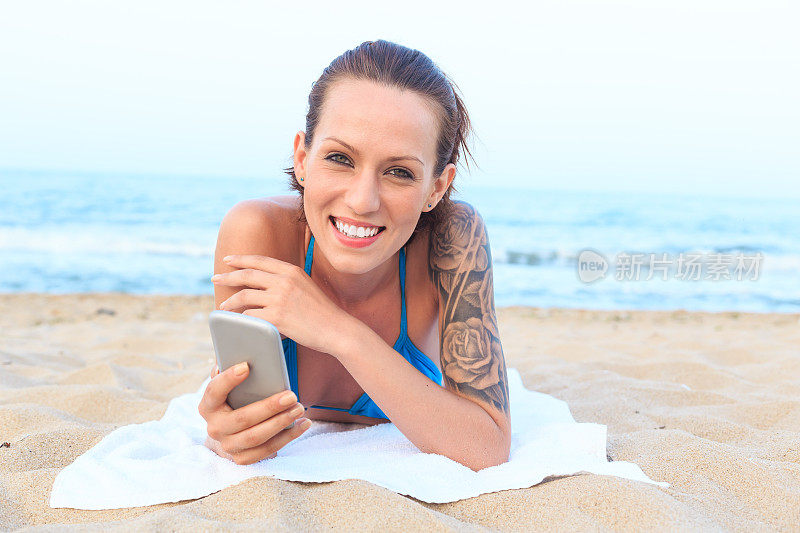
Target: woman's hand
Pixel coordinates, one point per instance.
(253, 432)
(284, 295)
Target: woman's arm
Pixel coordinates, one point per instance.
(249, 227)
(468, 419)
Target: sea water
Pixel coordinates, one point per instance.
(65, 232)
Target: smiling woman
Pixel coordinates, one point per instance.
(396, 320)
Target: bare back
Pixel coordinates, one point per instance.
(268, 226)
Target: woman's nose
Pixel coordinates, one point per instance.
(363, 194)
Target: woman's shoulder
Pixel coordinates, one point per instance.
(460, 222)
(263, 226)
(458, 241)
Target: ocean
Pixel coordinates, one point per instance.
(68, 232)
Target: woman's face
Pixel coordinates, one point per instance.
(371, 163)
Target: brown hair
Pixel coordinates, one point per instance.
(398, 66)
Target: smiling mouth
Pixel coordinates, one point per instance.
(333, 221)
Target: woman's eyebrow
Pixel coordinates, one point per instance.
(396, 158)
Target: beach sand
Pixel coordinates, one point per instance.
(709, 402)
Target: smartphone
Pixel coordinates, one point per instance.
(238, 338)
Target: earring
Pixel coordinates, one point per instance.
(301, 179)
(429, 205)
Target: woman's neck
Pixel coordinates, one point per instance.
(353, 291)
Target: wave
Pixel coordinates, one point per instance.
(96, 242)
(191, 243)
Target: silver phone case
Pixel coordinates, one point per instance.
(238, 338)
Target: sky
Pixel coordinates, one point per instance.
(672, 96)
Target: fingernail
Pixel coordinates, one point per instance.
(288, 398)
(227, 258)
(240, 369)
(305, 424)
(215, 277)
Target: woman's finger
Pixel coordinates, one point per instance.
(217, 390)
(270, 448)
(266, 430)
(246, 298)
(245, 277)
(261, 262)
(250, 415)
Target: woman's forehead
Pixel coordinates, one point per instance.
(369, 115)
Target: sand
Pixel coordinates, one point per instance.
(709, 402)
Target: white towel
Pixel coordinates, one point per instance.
(165, 460)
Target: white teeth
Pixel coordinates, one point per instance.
(355, 231)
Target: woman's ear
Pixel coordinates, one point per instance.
(300, 154)
(441, 184)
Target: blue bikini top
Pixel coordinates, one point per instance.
(364, 405)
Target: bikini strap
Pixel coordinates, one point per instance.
(309, 256)
(402, 292)
(307, 268)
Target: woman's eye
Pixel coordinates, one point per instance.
(333, 156)
(343, 160)
(405, 174)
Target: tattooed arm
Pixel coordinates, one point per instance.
(467, 419)
(471, 354)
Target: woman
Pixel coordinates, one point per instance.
(390, 251)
